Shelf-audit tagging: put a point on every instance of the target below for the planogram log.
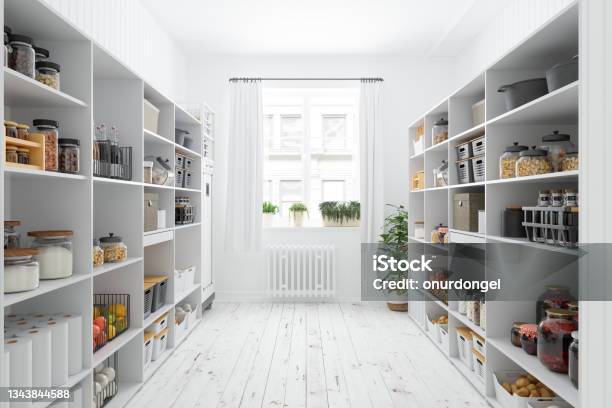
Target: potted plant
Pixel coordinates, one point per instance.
(297, 211)
(269, 210)
(340, 213)
(394, 241)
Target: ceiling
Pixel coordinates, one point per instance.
(302, 27)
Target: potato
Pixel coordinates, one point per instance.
(534, 393)
(507, 387)
(514, 388)
(545, 393)
(531, 378)
(522, 382)
(523, 392)
(531, 387)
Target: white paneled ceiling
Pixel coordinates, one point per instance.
(300, 27)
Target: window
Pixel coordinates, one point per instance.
(311, 148)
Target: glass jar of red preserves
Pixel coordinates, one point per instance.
(529, 338)
(555, 297)
(554, 339)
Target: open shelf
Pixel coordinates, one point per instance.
(116, 181)
(45, 286)
(23, 91)
(27, 172)
(562, 176)
(115, 345)
(108, 267)
(156, 315)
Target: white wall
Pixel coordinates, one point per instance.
(519, 19)
(411, 87)
(131, 33)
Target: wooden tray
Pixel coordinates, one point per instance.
(36, 144)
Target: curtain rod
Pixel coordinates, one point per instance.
(306, 79)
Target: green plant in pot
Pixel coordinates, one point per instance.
(394, 242)
(269, 211)
(297, 211)
(340, 213)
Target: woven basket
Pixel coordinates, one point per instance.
(397, 307)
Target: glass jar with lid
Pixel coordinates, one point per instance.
(556, 198)
(114, 248)
(573, 359)
(11, 154)
(23, 155)
(21, 271)
(42, 54)
(7, 47)
(49, 128)
(439, 131)
(48, 73)
(515, 334)
(55, 253)
(529, 338)
(441, 174)
(10, 128)
(23, 131)
(97, 253)
(570, 160)
(556, 297)
(554, 339)
(12, 238)
(22, 56)
(557, 144)
(69, 155)
(507, 161)
(533, 162)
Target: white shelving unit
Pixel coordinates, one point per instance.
(98, 88)
(555, 41)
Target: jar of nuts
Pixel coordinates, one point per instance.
(23, 131)
(507, 161)
(533, 162)
(10, 128)
(47, 72)
(114, 248)
(97, 253)
(439, 131)
(22, 56)
(570, 161)
(49, 128)
(69, 155)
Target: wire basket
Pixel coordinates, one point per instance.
(108, 372)
(111, 316)
(111, 161)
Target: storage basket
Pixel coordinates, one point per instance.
(479, 361)
(192, 318)
(189, 276)
(179, 282)
(479, 168)
(179, 161)
(112, 316)
(465, 173)
(188, 163)
(188, 179)
(464, 151)
(159, 292)
(148, 348)
(151, 117)
(107, 392)
(505, 399)
(160, 324)
(180, 328)
(478, 146)
(179, 177)
(478, 112)
(464, 345)
(159, 344)
(418, 180)
(149, 287)
(478, 343)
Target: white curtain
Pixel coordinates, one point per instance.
(371, 147)
(243, 222)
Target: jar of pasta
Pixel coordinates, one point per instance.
(533, 162)
(507, 161)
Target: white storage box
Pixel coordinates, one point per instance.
(464, 345)
(547, 403)
(179, 282)
(478, 343)
(189, 276)
(479, 363)
(159, 344)
(180, 328)
(482, 222)
(151, 117)
(443, 335)
(160, 324)
(148, 348)
(478, 112)
(503, 397)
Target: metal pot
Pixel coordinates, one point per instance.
(520, 93)
(562, 74)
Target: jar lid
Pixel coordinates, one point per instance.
(556, 137)
(23, 150)
(51, 234)
(20, 252)
(569, 191)
(560, 313)
(43, 52)
(533, 152)
(441, 122)
(530, 330)
(22, 126)
(10, 123)
(21, 38)
(75, 142)
(48, 64)
(515, 148)
(11, 148)
(111, 239)
(12, 223)
(45, 122)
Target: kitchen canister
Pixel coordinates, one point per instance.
(41, 354)
(75, 345)
(20, 372)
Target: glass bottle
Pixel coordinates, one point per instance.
(554, 339)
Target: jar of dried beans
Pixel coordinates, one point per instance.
(47, 72)
(554, 339)
(22, 56)
(49, 128)
(69, 155)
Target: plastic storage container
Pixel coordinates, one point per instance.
(465, 173)
(148, 348)
(179, 161)
(69, 155)
(464, 346)
(439, 132)
(479, 168)
(12, 238)
(419, 229)
(507, 161)
(159, 344)
(55, 253)
(160, 324)
(21, 271)
(187, 180)
(114, 248)
(149, 287)
(48, 73)
(189, 276)
(533, 162)
(22, 57)
(159, 293)
(49, 128)
(478, 343)
(554, 339)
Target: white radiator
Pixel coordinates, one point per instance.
(301, 271)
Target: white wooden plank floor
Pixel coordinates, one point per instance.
(306, 355)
